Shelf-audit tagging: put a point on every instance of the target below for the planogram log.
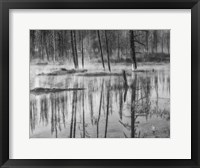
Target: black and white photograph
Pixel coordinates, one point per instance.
(99, 83)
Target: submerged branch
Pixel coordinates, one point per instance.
(38, 91)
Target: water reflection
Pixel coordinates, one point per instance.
(105, 109)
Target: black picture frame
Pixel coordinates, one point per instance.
(5, 5)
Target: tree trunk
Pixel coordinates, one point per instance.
(133, 98)
(47, 52)
(99, 38)
(75, 114)
(54, 47)
(107, 113)
(82, 50)
(83, 115)
(147, 41)
(73, 52)
(162, 45)
(108, 55)
(155, 41)
(63, 36)
(46, 45)
(125, 79)
(100, 104)
(132, 42)
(75, 47)
(42, 45)
(72, 115)
(118, 45)
(162, 41)
(168, 43)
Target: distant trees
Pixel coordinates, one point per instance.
(105, 46)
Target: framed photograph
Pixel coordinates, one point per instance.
(99, 83)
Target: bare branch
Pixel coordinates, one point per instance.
(139, 42)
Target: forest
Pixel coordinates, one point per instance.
(99, 83)
(107, 47)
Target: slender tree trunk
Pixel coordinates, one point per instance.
(56, 120)
(67, 36)
(168, 43)
(72, 117)
(83, 115)
(46, 45)
(54, 47)
(107, 51)
(157, 97)
(147, 41)
(47, 52)
(133, 98)
(118, 46)
(91, 106)
(162, 45)
(132, 42)
(63, 40)
(75, 110)
(100, 109)
(52, 114)
(42, 45)
(120, 103)
(99, 38)
(75, 115)
(162, 42)
(75, 47)
(73, 50)
(156, 41)
(82, 49)
(107, 113)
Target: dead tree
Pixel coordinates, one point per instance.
(82, 50)
(133, 54)
(133, 106)
(125, 79)
(118, 45)
(73, 50)
(147, 41)
(99, 38)
(108, 55)
(54, 46)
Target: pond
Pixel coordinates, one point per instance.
(103, 107)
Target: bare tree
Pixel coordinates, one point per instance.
(54, 46)
(82, 49)
(73, 49)
(99, 38)
(133, 54)
(107, 48)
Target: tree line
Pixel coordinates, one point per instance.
(105, 46)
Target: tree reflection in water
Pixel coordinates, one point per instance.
(105, 109)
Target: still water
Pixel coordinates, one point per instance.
(104, 108)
